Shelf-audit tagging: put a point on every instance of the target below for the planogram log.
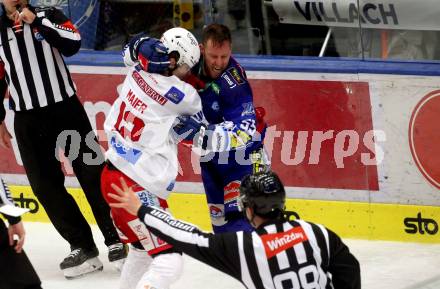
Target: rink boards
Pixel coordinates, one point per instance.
(358, 152)
(357, 220)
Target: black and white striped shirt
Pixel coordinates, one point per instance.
(35, 71)
(279, 254)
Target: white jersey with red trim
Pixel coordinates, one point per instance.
(139, 127)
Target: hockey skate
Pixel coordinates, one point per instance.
(117, 254)
(81, 262)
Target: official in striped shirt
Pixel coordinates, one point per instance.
(280, 253)
(33, 42)
(16, 271)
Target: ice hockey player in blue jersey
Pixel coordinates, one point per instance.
(232, 142)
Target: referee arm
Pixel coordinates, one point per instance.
(219, 251)
(54, 27)
(344, 267)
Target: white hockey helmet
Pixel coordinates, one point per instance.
(181, 40)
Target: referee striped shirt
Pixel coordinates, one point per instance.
(35, 71)
(279, 254)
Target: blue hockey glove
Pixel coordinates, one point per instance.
(151, 54)
(186, 126)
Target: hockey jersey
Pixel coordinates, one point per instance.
(228, 107)
(278, 254)
(139, 127)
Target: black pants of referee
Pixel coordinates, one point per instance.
(16, 271)
(36, 133)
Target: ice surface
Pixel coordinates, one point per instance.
(387, 265)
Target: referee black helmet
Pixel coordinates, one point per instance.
(263, 192)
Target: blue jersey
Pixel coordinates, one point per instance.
(228, 107)
(235, 137)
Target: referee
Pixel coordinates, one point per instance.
(16, 271)
(33, 42)
(279, 254)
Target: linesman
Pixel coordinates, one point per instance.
(280, 253)
(43, 96)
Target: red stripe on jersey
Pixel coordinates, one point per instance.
(231, 195)
(196, 82)
(231, 190)
(153, 94)
(278, 242)
(159, 249)
(69, 26)
(143, 62)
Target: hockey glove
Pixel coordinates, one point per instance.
(153, 56)
(186, 127)
(149, 52)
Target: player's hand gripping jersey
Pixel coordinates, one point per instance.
(139, 127)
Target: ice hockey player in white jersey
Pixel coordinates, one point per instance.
(143, 149)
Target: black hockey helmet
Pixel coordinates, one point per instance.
(262, 191)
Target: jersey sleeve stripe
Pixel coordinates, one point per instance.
(282, 259)
(316, 251)
(327, 242)
(64, 33)
(245, 275)
(179, 231)
(300, 251)
(262, 263)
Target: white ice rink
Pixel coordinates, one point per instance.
(384, 265)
